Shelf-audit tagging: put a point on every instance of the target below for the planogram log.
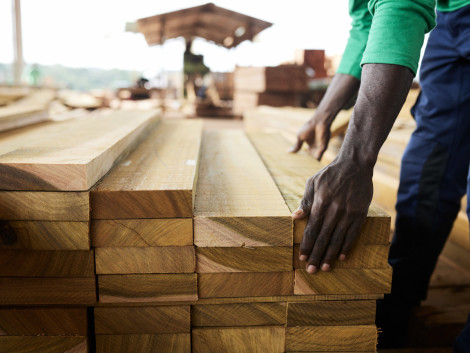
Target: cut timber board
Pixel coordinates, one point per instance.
(147, 288)
(43, 344)
(168, 343)
(43, 322)
(142, 232)
(259, 259)
(139, 320)
(360, 338)
(237, 202)
(44, 235)
(47, 263)
(343, 281)
(168, 259)
(71, 155)
(245, 284)
(250, 314)
(261, 339)
(13, 117)
(44, 291)
(156, 180)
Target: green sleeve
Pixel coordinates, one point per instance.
(361, 22)
(397, 32)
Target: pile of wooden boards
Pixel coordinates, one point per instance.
(192, 244)
(278, 86)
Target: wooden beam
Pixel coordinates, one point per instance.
(171, 343)
(166, 165)
(43, 344)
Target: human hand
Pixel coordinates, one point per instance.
(316, 133)
(336, 200)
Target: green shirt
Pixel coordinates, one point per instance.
(390, 31)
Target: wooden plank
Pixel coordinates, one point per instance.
(43, 344)
(71, 155)
(360, 256)
(43, 322)
(331, 313)
(245, 284)
(168, 343)
(13, 117)
(166, 164)
(237, 202)
(44, 291)
(44, 206)
(140, 320)
(147, 288)
(259, 259)
(47, 263)
(142, 232)
(267, 339)
(343, 281)
(169, 259)
(331, 338)
(251, 314)
(44, 235)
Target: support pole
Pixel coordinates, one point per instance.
(18, 41)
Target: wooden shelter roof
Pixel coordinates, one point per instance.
(213, 23)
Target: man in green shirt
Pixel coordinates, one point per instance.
(379, 64)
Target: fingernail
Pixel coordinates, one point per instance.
(325, 267)
(311, 269)
(342, 257)
(303, 257)
(299, 212)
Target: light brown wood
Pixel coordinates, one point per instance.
(142, 232)
(139, 320)
(156, 180)
(343, 281)
(267, 339)
(168, 259)
(331, 313)
(43, 321)
(147, 288)
(43, 344)
(245, 284)
(332, 338)
(360, 256)
(44, 235)
(168, 343)
(45, 291)
(259, 259)
(44, 206)
(71, 155)
(237, 202)
(47, 263)
(252, 314)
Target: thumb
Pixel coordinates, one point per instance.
(297, 146)
(300, 213)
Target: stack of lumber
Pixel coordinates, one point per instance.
(45, 254)
(279, 86)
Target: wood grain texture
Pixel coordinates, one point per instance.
(44, 235)
(168, 343)
(245, 284)
(147, 288)
(268, 339)
(259, 259)
(251, 314)
(168, 259)
(47, 263)
(331, 338)
(343, 281)
(237, 202)
(360, 256)
(44, 291)
(166, 165)
(139, 320)
(142, 232)
(44, 206)
(71, 155)
(43, 344)
(43, 321)
(331, 313)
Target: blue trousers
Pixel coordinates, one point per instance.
(435, 171)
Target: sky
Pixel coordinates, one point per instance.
(91, 33)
